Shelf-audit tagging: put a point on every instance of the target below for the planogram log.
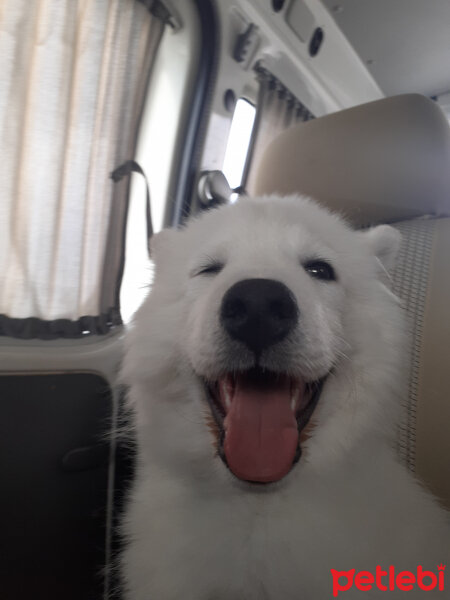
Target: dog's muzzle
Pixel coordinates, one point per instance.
(260, 412)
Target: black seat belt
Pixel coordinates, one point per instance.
(128, 167)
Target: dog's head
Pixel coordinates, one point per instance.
(268, 331)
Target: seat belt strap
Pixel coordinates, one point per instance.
(124, 170)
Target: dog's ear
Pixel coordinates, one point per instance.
(161, 244)
(384, 242)
(165, 249)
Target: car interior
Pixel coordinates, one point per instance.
(123, 117)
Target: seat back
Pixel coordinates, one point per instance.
(389, 162)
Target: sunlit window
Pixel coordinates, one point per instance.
(239, 142)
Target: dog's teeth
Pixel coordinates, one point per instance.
(226, 395)
(294, 399)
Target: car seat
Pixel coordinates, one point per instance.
(388, 161)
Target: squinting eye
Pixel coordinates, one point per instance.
(210, 269)
(319, 269)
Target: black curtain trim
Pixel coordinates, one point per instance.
(34, 328)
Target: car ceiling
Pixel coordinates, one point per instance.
(404, 43)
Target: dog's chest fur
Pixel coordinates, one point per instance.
(277, 546)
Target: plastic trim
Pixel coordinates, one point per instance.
(197, 120)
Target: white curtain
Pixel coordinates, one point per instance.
(73, 78)
(276, 110)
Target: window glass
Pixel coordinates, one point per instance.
(239, 142)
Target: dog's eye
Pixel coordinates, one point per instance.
(209, 269)
(319, 269)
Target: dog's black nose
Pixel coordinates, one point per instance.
(259, 312)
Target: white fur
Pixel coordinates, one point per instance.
(194, 531)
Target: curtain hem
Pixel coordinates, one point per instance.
(35, 328)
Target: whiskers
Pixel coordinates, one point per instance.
(186, 415)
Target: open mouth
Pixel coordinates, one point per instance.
(260, 415)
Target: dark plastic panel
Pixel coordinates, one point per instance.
(53, 470)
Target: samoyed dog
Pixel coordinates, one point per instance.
(265, 375)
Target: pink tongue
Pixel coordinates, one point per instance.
(261, 434)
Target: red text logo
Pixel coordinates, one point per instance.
(388, 580)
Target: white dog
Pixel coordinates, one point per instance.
(265, 374)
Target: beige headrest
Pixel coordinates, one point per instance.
(383, 161)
